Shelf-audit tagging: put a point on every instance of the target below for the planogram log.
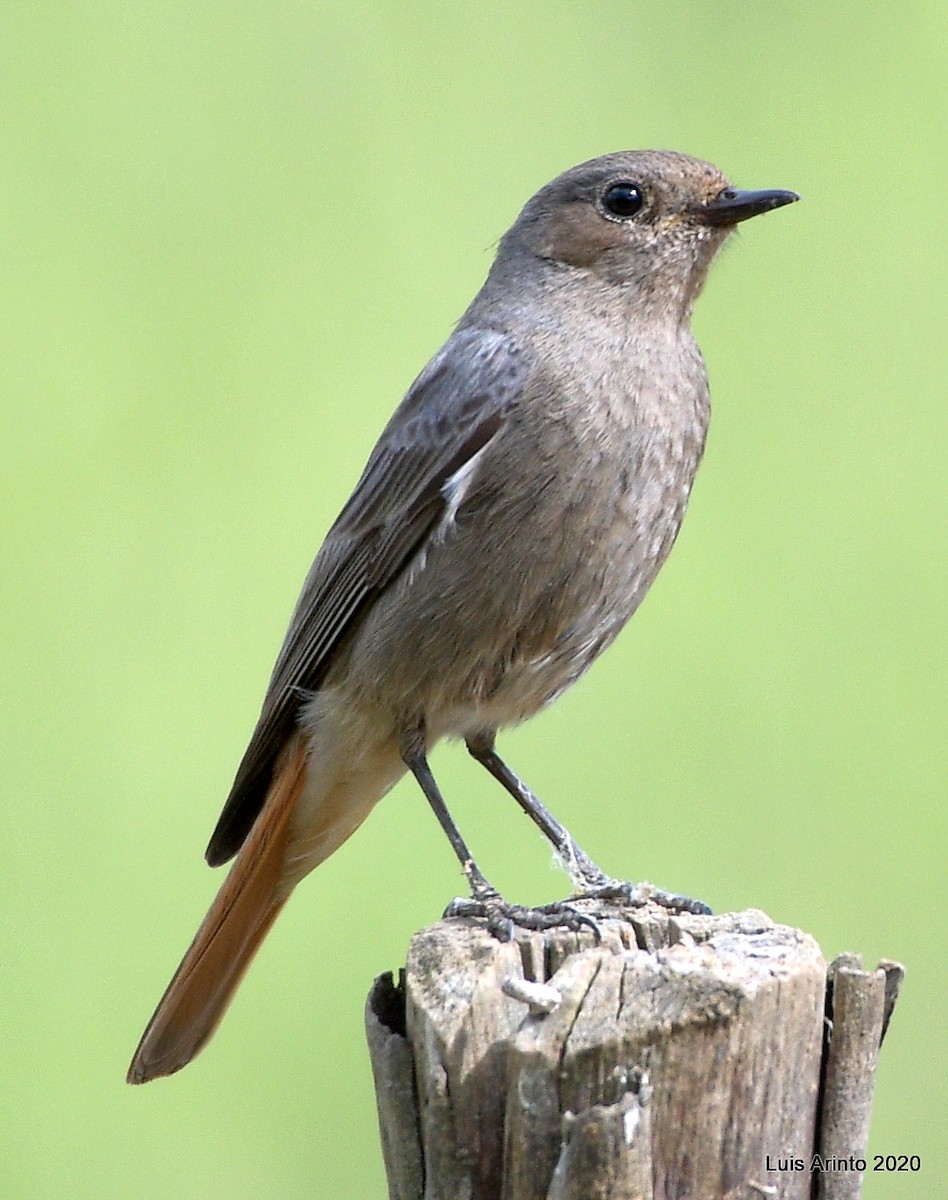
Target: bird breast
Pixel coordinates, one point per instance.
(549, 542)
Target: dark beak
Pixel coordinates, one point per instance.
(732, 206)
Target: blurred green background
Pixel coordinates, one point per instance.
(231, 234)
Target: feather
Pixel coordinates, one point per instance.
(457, 405)
(245, 908)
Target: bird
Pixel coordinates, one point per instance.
(509, 521)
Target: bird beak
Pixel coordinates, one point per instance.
(732, 205)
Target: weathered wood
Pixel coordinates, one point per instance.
(610, 1145)
(858, 1007)
(395, 1096)
(681, 1056)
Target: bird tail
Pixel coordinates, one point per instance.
(246, 906)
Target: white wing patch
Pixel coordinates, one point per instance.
(456, 487)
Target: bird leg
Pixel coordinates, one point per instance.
(485, 900)
(589, 880)
(414, 756)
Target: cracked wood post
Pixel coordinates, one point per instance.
(683, 1056)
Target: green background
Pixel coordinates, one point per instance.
(231, 234)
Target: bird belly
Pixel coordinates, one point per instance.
(504, 614)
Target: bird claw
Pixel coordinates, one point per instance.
(503, 918)
(637, 895)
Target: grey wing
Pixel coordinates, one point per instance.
(454, 408)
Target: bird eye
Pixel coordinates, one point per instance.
(622, 200)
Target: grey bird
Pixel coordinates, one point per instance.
(509, 521)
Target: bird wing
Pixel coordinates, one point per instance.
(452, 410)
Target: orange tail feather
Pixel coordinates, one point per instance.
(238, 920)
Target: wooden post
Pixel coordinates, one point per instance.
(707, 1057)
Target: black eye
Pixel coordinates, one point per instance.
(622, 200)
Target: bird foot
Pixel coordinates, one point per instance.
(637, 895)
(503, 918)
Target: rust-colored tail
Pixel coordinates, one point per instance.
(236, 924)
